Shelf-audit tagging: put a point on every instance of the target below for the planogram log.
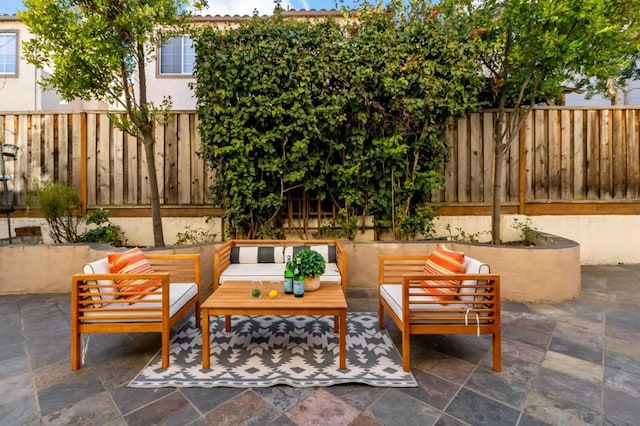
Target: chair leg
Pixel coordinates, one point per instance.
(76, 350)
(165, 347)
(197, 314)
(406, 357)
(497, 351)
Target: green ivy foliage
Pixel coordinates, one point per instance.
(353, 112)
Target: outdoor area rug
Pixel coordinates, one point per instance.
(261, 351)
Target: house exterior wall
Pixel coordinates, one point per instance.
(19, 93)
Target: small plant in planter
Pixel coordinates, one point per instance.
(312, 265)
(311, 262)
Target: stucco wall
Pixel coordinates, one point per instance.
(537, 274)
(603, 239)
(549, 274)
(48, 268)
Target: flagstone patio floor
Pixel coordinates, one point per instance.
(564, 364)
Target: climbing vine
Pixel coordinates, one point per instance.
(350, 111)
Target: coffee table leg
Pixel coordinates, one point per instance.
(205, 338)
(343, 339)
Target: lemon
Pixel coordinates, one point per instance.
(273, 294)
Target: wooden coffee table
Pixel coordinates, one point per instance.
(233, 298)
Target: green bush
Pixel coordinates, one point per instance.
(58, 203)
(104, 232)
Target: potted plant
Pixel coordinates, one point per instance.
(312, 265)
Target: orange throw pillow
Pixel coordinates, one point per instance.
(443, 261)
(132, 262)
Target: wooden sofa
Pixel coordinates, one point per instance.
(97, 304)
(475, 309)
(266, 259)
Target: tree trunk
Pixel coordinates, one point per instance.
(149, 151)
(498, 159)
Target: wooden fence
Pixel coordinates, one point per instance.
(588, 159)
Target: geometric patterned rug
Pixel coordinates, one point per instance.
(268, 350)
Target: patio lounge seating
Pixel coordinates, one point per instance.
(101, 303)
(472, 307)
(245, 260)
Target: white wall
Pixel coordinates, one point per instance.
(19, 93)
(603, 239)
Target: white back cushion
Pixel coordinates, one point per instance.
(472, 266)
(100, 266)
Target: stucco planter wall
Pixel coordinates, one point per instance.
(547, 273)
(46, 268)
(544, 274)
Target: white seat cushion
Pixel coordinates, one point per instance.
(179, 295)
(270, 272)
(392, 294)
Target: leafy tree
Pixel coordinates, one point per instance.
(99, 49)
(534, 47)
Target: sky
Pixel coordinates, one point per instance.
(228, 7)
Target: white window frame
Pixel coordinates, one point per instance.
(186, 43)
(3, 72)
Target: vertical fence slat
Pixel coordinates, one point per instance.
(606, 179)
(566, 160)
(540, 149)
(553, 154)
(35, 148)
(64, 146)
(450, 177)
(488, 120)
(633, 154)
(511, 174)
(476, 176)
(579, 158)
(120, 171)
(619, 154)
(593, 155)
(49, 147)
(529, 157)
(132, 164)
(198, 182)
(171, 162)
(184, 152)
(463, 161)
(103, 157)
(23, 179)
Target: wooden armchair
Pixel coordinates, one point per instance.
(98, 303)
(473, 309)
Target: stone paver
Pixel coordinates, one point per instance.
(576, 362)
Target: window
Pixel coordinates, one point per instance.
(8, 53)
(177, 56)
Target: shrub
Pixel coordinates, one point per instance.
(105, 232)
(58, 203)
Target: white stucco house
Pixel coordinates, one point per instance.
(169, 72)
